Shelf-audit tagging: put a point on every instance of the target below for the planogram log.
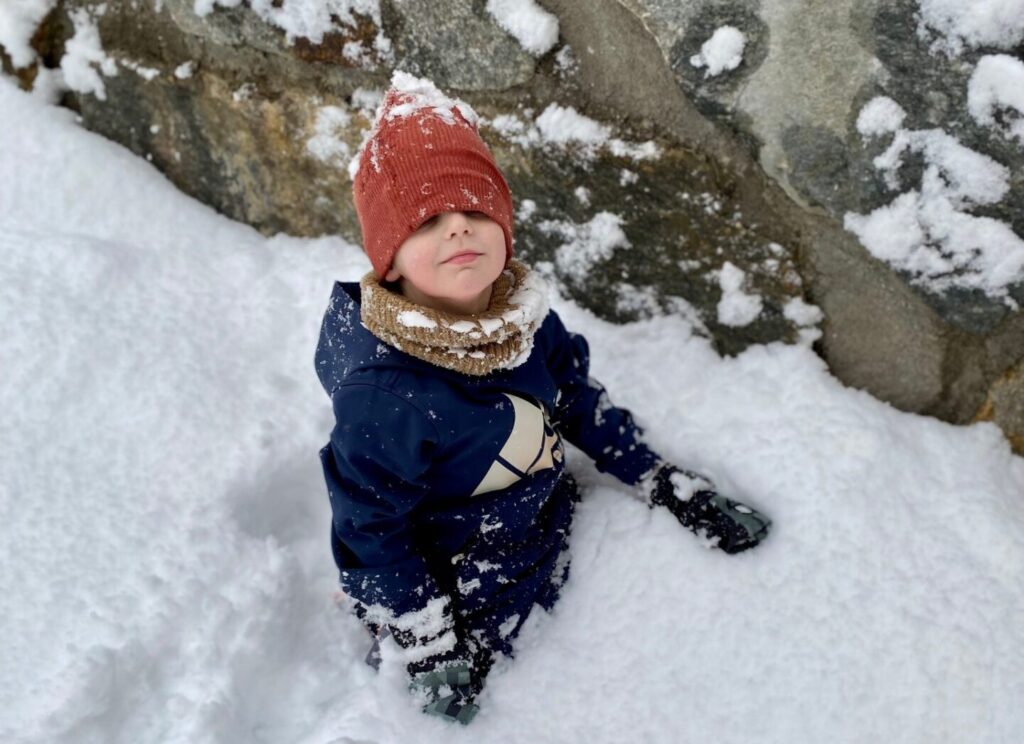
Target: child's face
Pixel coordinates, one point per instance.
(451, 261)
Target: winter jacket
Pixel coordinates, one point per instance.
(448, 488)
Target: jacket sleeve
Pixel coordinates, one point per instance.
(585, 415)
(380, 447)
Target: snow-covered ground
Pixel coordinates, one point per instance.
(163, 520)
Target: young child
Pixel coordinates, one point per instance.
(453, 386)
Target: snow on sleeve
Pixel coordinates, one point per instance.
(533, 27)
(997, 83)
(736, 308)
(19, 20)
(723, 51)
(996, 23)
(926, 232)
(586, 244)
(84, 57)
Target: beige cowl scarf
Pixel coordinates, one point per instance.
(501, 337)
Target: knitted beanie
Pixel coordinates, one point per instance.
(424, 156)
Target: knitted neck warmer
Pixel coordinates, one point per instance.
(501, 337)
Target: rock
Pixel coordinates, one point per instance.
(759, 160)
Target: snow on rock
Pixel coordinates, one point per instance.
(736, 308)
(533, 27)
(19, 20)
(926, 232)
(881, 115)
(308, 19)
(722, 52)
(973, 23)
(185, 70)
(997, 85)
(84, 58)
(163, 517)
(805, 317)
(587, 244)
(564, 126)
(326, 145)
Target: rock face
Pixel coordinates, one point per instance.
(690, 157)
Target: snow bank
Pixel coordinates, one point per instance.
(163, 520)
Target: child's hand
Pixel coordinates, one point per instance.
(732, 526)
(450, 691)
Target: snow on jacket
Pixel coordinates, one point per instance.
(446, 489)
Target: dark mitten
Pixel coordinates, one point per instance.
(702, 510)
(450, 690)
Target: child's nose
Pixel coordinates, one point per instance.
(457, 223)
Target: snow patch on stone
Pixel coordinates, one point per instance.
(84, 58)
(736, 308)
(722, 52)
(997, 85)
(534, 28)
(927, 232)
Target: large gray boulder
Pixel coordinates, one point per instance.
(712, 158)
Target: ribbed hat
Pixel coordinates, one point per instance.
(424, 156)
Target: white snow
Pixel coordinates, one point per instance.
(586, 244)
(927, 232)
(415, 319)
(534, 28)
(972, 23)
(723, 51)
(19, 20)
(326, 144)
(84, 58)
(163, 517)
(146, 73)
(997, 84)
(309, 19)
(564, 126)
(736, 307)
(881, 115)
(185, 70)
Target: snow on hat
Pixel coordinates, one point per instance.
(424, 156)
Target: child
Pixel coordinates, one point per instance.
(453, 385)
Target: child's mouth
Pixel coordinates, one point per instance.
(462, 258)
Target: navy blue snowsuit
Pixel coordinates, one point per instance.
(444, 484)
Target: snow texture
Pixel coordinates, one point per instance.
(309, 19)
(534, 28)
(587, 244)
(84, 58)
(927, 232)
(564, 126)
(163, 517)
(972, 23)
(326, 144)
(722, 52)
(997, 85)
(19, 20)
(736, 307)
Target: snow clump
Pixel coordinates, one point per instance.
(534, 28)
(723, 51)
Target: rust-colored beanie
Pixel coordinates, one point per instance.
(424, 156)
